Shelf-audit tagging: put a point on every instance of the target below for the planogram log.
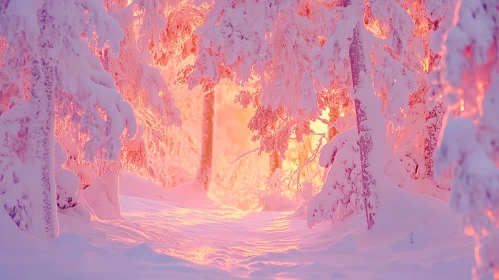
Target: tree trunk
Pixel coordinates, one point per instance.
(204, 172)
(370, 123)
(275, 163)
(41, 132)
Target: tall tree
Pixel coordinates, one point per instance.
(141, 83)
(185, 19)
(470, 82)
(64, 72)
(41, 126)
(434, 14)
(350, 42)
(369, 118)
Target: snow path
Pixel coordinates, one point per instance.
(269, 245)
(158, 240)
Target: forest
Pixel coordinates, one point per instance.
(249, 139)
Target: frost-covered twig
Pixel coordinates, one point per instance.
(307, 162)
(244, 155)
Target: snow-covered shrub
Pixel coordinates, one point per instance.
(53, 39)
(273, 199)
(341, 194)
(304, 199)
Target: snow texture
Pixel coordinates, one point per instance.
(158, 240)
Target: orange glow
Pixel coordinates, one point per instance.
(481, 87)
(491, 217)
(137, 24)
(185, 246)
(426, 63)
(468, 230)
(375, 27)
(322, 40)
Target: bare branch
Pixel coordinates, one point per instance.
(244, 154)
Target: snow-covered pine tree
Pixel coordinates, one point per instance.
(343, 60)
(469, 142)
(286, 51)
(436, 15)
(64, 73)
(181, 31)
(141, 84)
(246, 50)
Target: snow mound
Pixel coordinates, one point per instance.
(137, 186)
(97, 198)
(189, 194)
(345, 245)
(146, 253)
(277, 202)
(73, 240)
(413, 211)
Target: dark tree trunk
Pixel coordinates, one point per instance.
(275, 162)
(364, 96)
(204, 172)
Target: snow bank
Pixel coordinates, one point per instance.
(137, 186)
(188, 194)
(277, 202)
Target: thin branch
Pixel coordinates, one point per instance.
(307, 162)
(244, 154)
(325, 121)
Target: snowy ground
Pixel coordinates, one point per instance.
(158, 240)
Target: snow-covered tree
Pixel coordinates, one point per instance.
(344, 59)
(431, 19)
(64, 73)
(470, 84)
(141, 84)
(182, 42)
(298, 49)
